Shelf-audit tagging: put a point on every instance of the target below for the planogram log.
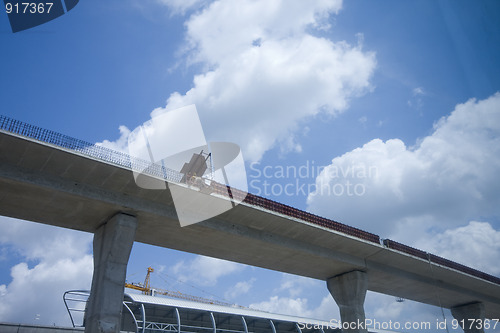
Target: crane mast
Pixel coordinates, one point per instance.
(146, 287)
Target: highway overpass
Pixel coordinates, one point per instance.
(53, 179)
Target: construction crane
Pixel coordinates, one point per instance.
(146, 287)
(147, 290)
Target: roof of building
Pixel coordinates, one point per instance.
(235, 310)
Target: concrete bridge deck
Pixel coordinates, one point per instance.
(46, 183)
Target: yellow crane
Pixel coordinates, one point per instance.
(147, 290)
(146, 287)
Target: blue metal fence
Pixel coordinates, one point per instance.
(88, 149)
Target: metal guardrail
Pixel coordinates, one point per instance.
(389, 243)
(76, 304)
(88, 149)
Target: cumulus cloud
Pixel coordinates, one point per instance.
(295, 285)
(299, 306)
(418, 91)
(416, 99)
(121, 144)
(240, 288)
(477, 245)
(448, 179)
(182, 6)
(204, 271)
(36, 241)
(428, 196)
(284, 305)
(296, 296)
(264, 70)
(385, 309)
(327, 310)
(54, 261)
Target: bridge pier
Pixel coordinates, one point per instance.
(112, 245)
(470, 317)
(349, 292)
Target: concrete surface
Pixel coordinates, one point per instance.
(349, 292)
(470, 317)
(112, 245)
(47, 184)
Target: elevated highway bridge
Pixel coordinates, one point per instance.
(54, 179)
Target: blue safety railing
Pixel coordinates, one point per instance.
(88, 149)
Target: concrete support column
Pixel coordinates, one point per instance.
(470, 317)
(112, 245)
(349, 291)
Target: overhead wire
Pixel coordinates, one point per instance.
(160, 274)
(437, 291)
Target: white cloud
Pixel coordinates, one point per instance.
(284, 305)
(449, 178)
(294, 295)
(204, 271)
(416, 100)
(418, 91)
(327, 310)
(182, 6)
(121, 144)
(299, 306)
(62, 261)
(385, 310)
(240, 288)
(264, 71)
(36, 241)
(295, 285)
(424, 196)
(226, 29)
(39, 290)
(481, 250)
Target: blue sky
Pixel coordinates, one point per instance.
(407, 88)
